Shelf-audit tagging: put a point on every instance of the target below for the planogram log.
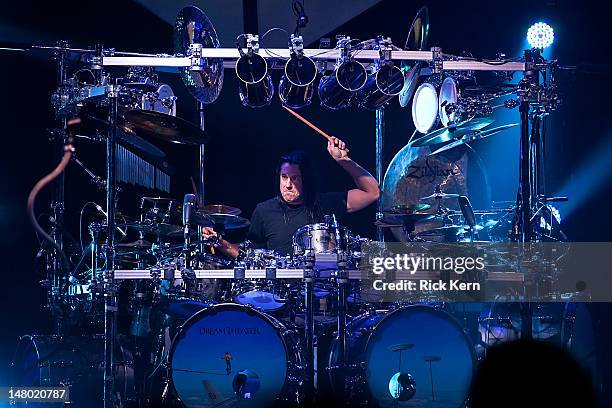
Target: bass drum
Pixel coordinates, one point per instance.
(75, 361)
(231, 354)
(415, 356)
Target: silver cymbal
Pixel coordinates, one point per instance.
(193, 26)
(444, 231)
(473, 137)
(419, 31)
(452, 132)
(416, 41)
(440, 196)
(228, 221)
(220, 209)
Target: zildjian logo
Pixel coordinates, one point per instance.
(431, 172)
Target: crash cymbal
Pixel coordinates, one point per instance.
(193, 26)
(452, 132)
(416, 41)
(399, 209)
(138, 244)
(219, 209)
(440, 196)
(444, 231)
(92, 120)
(419, 31)
(473, 137)
(399, 220)
(227, 221)
(164, 127)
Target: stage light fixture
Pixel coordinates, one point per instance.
(540, 35)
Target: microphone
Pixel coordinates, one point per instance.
(189, 208)
(101, 210)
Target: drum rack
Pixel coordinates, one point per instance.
(197, 60)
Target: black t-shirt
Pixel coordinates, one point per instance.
(274, 222)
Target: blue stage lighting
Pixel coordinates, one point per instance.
(540, 35)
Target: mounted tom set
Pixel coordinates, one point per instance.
(163, 320)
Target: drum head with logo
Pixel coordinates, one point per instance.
(229, 355)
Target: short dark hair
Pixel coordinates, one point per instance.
(309, 174)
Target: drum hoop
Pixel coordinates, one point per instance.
(229, 306)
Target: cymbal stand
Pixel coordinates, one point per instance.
(110, 290)
(342, 282)
(54, 275)
(309, 333)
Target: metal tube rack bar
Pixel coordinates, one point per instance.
(314, 53)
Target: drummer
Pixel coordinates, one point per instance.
(274, 221)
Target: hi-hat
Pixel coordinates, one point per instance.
(452, 132)
(164, 127)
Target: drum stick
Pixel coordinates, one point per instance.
(313, 127)
(309, 124)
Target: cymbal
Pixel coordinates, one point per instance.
(138, 244)
(473, 137)
(91, 120)
(400, 347)
(400, 209)
(193, 26)
(164, 127)
(419, 31)
(399, 220)
(444, 231)
(227, 221)
(440, 196)
(219, 209)
(452, 132)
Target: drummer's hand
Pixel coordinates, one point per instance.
(208, 233)
(337, 149)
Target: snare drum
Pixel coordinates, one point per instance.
(321, 238)
(230, 355)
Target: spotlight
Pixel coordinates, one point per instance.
(296, 85)
(540, 35)
(255, 85)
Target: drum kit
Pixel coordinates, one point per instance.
(168, 322)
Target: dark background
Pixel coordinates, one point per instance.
(245, 143)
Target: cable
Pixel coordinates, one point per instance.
(301, 17)
(68, 151)
(267, 50)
